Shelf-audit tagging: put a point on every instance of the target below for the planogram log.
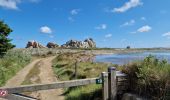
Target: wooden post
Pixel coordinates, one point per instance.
(76, 63)
(105, 85)
(112, 83)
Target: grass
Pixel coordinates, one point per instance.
(149, 77)
(33, 75)
(11, 63)
(89, 92)
(64, 66)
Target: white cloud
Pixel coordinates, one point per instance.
(143, 18)
(45, 29)
(108, 35)
(166, 34)
(131, 22)
(101, 27)
(127, 6)
(71, 19)
(74, 11)
(13, 4)
(145, 28)
(9, 4)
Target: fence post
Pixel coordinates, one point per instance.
(105, 85)
(76, 64)
(112, 83)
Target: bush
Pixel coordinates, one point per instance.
(12, 62)
(149, 77)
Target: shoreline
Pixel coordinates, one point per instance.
(46, 51)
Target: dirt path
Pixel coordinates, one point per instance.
(46, 75)
(20, 76)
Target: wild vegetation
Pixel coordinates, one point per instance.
(149, 77)
(11, 63)
(64, 67)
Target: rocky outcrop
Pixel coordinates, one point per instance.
(52, 45)
(90, 42)
(87, 43)
(34, 44)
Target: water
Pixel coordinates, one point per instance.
(130, 57)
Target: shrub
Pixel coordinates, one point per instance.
(149, 77)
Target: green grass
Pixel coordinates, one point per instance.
(11, 63)
(89, 92)
(64, 66)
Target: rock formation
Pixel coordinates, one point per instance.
(34, 44)
(87, 43)
(91, 43)
(52, 45)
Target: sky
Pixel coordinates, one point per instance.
(111, 23)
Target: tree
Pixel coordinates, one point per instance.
(5, 44)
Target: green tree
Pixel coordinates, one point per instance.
(5, 44)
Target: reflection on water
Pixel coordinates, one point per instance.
(130, 57)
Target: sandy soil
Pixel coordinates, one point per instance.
(46, 76)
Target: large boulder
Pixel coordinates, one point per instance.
(87, 43)
(34, 44)
(52, 45)
(91, 43)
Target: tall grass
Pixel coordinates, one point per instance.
(149, 77)
(11, 63)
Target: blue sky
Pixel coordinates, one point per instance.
(111, 23)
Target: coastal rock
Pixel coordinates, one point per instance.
(34, 44)
(91, 43)
(52, 45)
(87, 43)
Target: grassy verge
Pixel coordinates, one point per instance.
(64, 68)
(11, 63)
